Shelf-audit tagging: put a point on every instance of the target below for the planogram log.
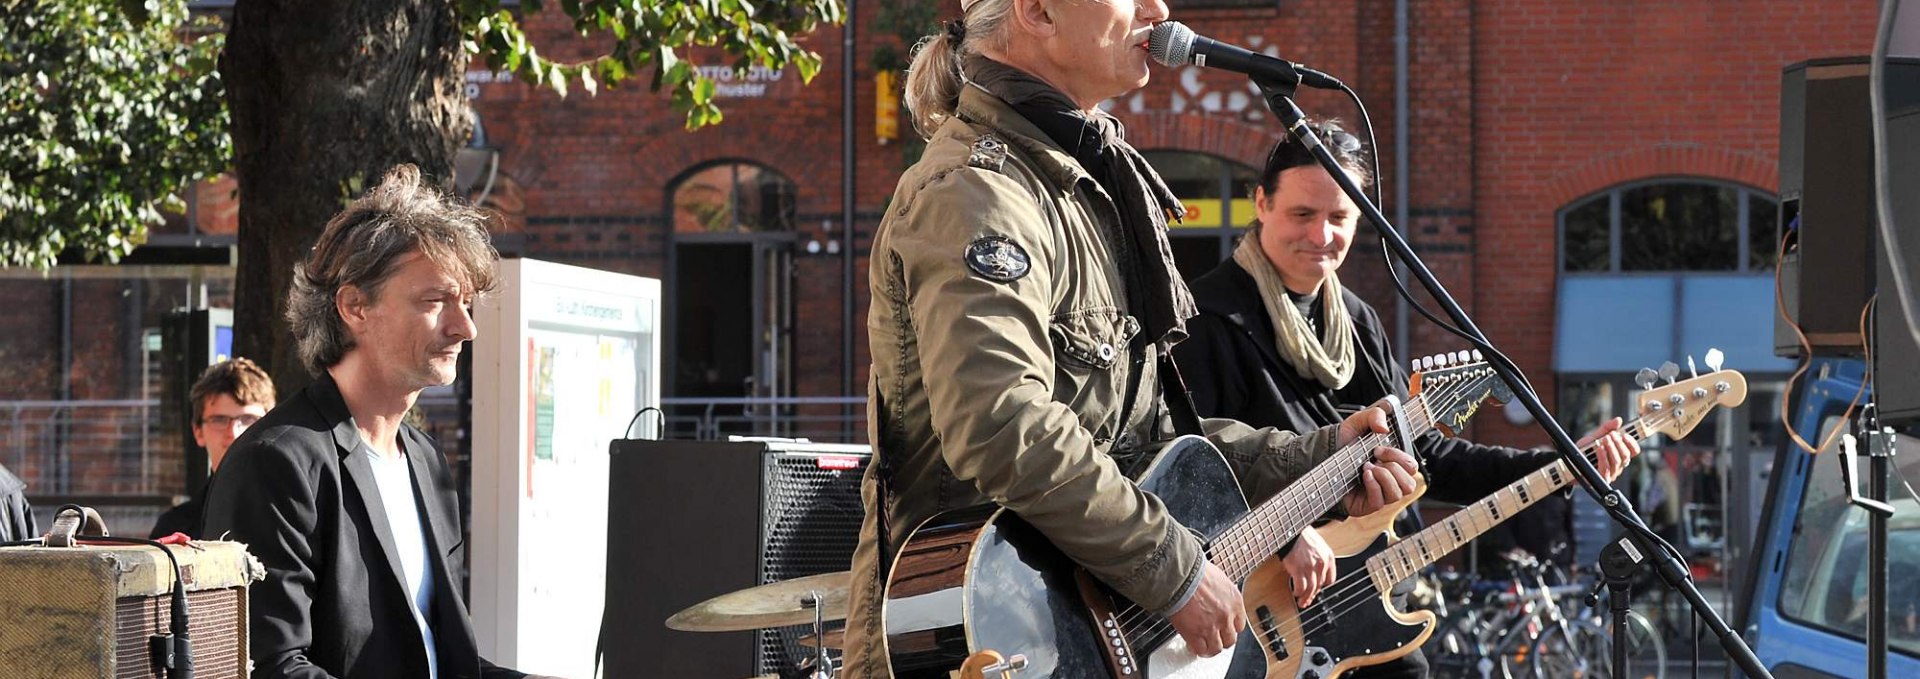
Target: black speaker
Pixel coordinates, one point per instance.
(1896, 358)
(691, 520)
(1826, 198)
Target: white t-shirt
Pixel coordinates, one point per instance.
(410, 539)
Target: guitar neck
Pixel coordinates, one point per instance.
(1264, 530)
(1421, 549)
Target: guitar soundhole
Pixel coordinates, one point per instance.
(1270, 630)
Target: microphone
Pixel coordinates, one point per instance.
(1173, 44)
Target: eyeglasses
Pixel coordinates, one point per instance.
(224, 421)
(1339, 141)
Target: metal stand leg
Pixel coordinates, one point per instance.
(1620, 564)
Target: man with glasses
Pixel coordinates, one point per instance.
(229, 397)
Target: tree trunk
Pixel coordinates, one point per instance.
(326, 96)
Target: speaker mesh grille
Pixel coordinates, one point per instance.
(811, 523)
(217, 623)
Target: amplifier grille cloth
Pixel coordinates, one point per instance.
(217, 621)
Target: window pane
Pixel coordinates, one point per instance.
(1763, 222)
(1196, 179)
(733, 198)
(1679, 227)
(1826, 582)
(1586, 238)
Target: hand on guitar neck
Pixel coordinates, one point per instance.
(1389, 477)
(1612, 449)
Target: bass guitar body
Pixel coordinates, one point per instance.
(981, 578)
(1350, 623)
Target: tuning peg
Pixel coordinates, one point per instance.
(1645, 378)
(1692, 371)
(1464, 356)
(1715, 359)
(1477, 357)
(1669, 371)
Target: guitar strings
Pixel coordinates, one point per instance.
(1352, 590)
(1355, 590)
(1323, 477)
(1134, 615)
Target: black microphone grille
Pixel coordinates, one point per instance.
(1171, 43)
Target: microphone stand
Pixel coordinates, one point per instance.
(1278, 89)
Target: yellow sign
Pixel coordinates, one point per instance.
(886, 107)
(1204, 213)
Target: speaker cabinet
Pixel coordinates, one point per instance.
(691, 520)
(88, 612)
(1827, 197)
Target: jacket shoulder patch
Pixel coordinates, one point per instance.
(987, 153)
(997, 258)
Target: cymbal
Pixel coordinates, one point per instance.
(775, 604)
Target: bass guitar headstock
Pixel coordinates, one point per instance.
(1456, 385)
(1681, 405)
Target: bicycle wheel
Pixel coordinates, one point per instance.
(1589, 654)
(1646, 650)
(1582, 656)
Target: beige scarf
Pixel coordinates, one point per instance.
(1331, 360)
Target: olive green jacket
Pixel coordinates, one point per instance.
(1001, 365)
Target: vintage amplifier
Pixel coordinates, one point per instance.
(87, 612)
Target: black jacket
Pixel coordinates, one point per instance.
(1234, 370)
(182, 518)
(309, 509)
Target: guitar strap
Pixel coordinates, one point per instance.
(1186, 419)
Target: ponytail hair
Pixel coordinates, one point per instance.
(934, 78)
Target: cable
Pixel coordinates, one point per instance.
(636, 418)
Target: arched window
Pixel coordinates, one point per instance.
(1669, 225)
(733, 198)
(1218, 194)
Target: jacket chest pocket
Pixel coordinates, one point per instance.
(1091, 369)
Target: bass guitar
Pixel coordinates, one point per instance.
(1352, 622)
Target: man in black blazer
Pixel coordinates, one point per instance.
(351, 510)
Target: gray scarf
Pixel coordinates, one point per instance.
(1328, 360)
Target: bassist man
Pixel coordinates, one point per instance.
(1022, 294)
(1280, 343)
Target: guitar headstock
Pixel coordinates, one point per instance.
(1457, 384)
(1680, 406)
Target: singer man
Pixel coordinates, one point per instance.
(351, 510)
(1023, 292)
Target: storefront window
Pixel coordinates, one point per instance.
(1218, 196)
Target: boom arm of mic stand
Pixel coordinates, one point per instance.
(1279, 96)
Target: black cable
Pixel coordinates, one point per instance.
(1387, 254)
(628, 432)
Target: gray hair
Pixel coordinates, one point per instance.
(934, 79)
(361, 247)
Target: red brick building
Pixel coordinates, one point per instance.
(1544, 139)
(1516, 111)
